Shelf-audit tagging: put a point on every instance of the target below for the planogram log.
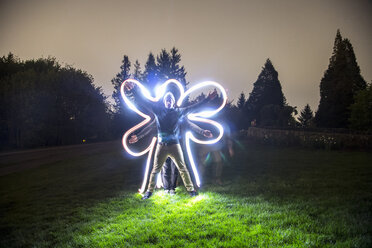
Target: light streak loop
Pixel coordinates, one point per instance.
(199, 117)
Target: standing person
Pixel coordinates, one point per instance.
(169, 176)
(168, 117)
(169, 172)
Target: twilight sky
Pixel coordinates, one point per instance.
(225, 41)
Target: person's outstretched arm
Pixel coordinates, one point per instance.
(199, 130)
(145, 131)
(148, 129)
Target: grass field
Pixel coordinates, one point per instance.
(271, 197)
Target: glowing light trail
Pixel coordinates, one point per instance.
(199, 117)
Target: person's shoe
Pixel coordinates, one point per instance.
(147, 195)
(172, 192)
(167, 191)
(193, 193)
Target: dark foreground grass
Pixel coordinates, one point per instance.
(271, 197)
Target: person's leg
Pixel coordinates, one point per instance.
(177, 156)
(167, 174)
(202, 158)
(174, 176)
(188, 163)
(218, 163)
(161, 155)
(219, 168)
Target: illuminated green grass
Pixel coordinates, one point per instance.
(277, 197)
(209, 220)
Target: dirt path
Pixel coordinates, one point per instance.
(11, 162)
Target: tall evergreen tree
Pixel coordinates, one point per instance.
(137, 73)
(361, 110)
(341, 81)
(306, 116)
(266, 91)
(150, 75)
(240, 119)
(117, 81)
(241, 101)
(176, 71)
(163, 65)
(168, 65)
(121, 117)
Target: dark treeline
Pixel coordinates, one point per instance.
(45, 104)
(345, 98)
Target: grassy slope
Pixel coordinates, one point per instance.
(272, 197)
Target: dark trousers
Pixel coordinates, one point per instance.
(169, 175)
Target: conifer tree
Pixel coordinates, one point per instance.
(168, 65)
(176, 71)
(117, 81)
(137, 73)
(306, 116)
(150, 75)
(361, 110)
(340, 83)
(241, 101)
(120, 116)
(240, 118)
(163, 65)
(266, 91)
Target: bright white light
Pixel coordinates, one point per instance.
(159, 182)
(200, 117)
